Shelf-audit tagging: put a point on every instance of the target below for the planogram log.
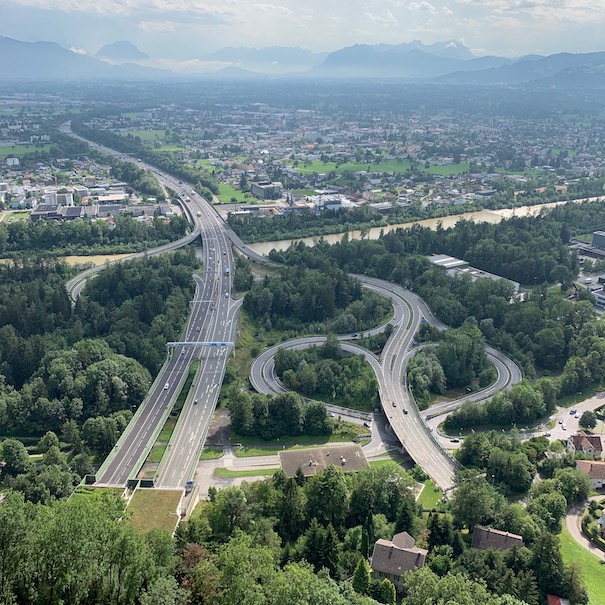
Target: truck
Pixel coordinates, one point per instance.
(189, 487)
(228, 271)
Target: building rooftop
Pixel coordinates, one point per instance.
(595, 470)
(487, 537)
(398, 555)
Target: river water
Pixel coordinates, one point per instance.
(481, 216)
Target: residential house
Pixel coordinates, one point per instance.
(595, 470)
(589, 445)
(487, 537)
(392, 558)
(552, 599)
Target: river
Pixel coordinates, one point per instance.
(481, 216)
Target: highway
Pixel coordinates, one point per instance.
(213, 318)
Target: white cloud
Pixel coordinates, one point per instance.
(384, 18)
(422, 6)
(272, 8)
(78, 51)
(446, 11)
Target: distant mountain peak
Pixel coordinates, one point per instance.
(121, 51)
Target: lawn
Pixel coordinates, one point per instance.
(592, 570)
(448, 169)
(154, 509)
(324, 167)
(226, 192)
(146, 135)
(20, 150)
(430, 495)
(225, 473)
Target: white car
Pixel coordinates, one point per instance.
(166, 386)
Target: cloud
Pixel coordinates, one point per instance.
(158, 27)
(121, 8)
(384, 18)
(422, 6)
(272, 8)
(78, 51)
(446, 11)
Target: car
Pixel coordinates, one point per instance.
(226, 294)
(366, 425)
(563, 427)
(454, 440)
(394, 404)
(166, 386)
(194, 401)
(405, 410)
(577, 416)
(560, 420)
(547, 434)
(573, 411)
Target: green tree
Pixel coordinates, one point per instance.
(15, 457)
(588, 419)
(387, 592)
(362, 577)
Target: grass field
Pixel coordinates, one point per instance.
(592, 570)
(225, 473)
(323, 167)
(20, 150)
(154, 509)
(430, 496)
(226, 192)
(146, 135)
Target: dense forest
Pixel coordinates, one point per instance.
(326, 300)
(301, 541)
(325, 372)
(20, 238)
(79, 373)
(274, 416)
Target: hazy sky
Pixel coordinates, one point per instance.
(177, 30)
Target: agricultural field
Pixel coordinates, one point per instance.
(148, 136)
(20, 150)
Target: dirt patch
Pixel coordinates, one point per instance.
(219, 434)
(99, 259)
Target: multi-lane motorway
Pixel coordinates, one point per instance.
(213, 319)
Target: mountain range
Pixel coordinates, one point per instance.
(449, 62)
